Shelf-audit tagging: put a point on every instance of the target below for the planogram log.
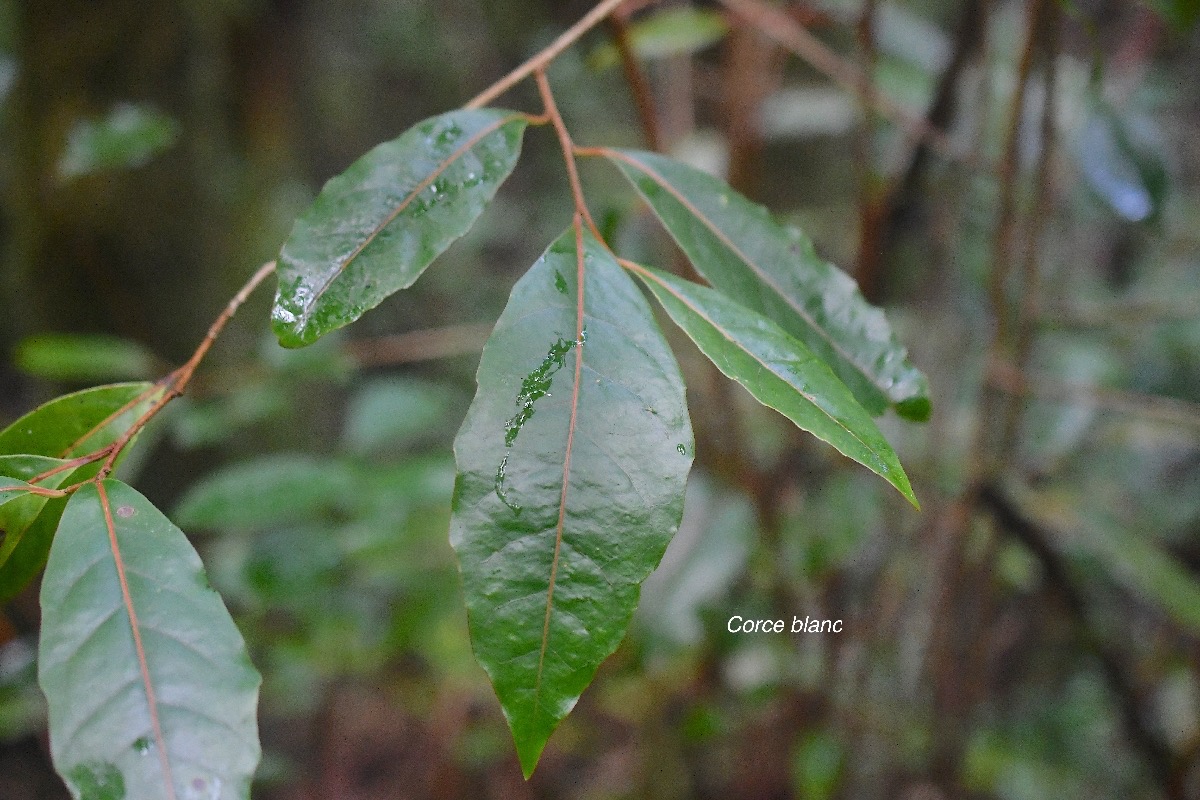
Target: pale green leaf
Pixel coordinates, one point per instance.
(151, 693)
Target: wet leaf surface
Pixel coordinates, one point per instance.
(375, 228)
(570, 481)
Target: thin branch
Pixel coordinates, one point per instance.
(172, 386)
(214, 330)
(796, 38)
(542, 59)
(568, 150)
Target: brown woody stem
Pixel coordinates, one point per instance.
(542, 59)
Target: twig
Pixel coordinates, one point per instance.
(178, 380)
(542, 59)
(568, 150)
(796, 38)
(172, 386)
(1146, 311)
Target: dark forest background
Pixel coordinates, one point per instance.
(1033, 632)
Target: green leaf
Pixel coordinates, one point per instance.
(774, 270)
(66, 427)
(375, 228)
(18, 510)
(665, 33)
(128, 137)
(151, 693)
(572, 463)
(71, 357)
(390, 413)
(79, 423)
(778, 370)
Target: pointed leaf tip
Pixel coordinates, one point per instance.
(570, 481)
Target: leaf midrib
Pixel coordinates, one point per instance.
(737, 252)
(700, 313)
(442, 166)
(135, 629)
(562, 499)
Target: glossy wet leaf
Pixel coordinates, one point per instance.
(375, 228)
(741, 250)
(567, 491)
(780, 371)
(147, 678)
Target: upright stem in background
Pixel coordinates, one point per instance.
(793, 36)
(1009, 169)
(639, 85)
(957, 652)
(1026, 312)
(870, 241)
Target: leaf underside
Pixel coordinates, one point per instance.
(568, 490)
(149, 686)
(742, 251)
(375, 228)
(778, 370)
